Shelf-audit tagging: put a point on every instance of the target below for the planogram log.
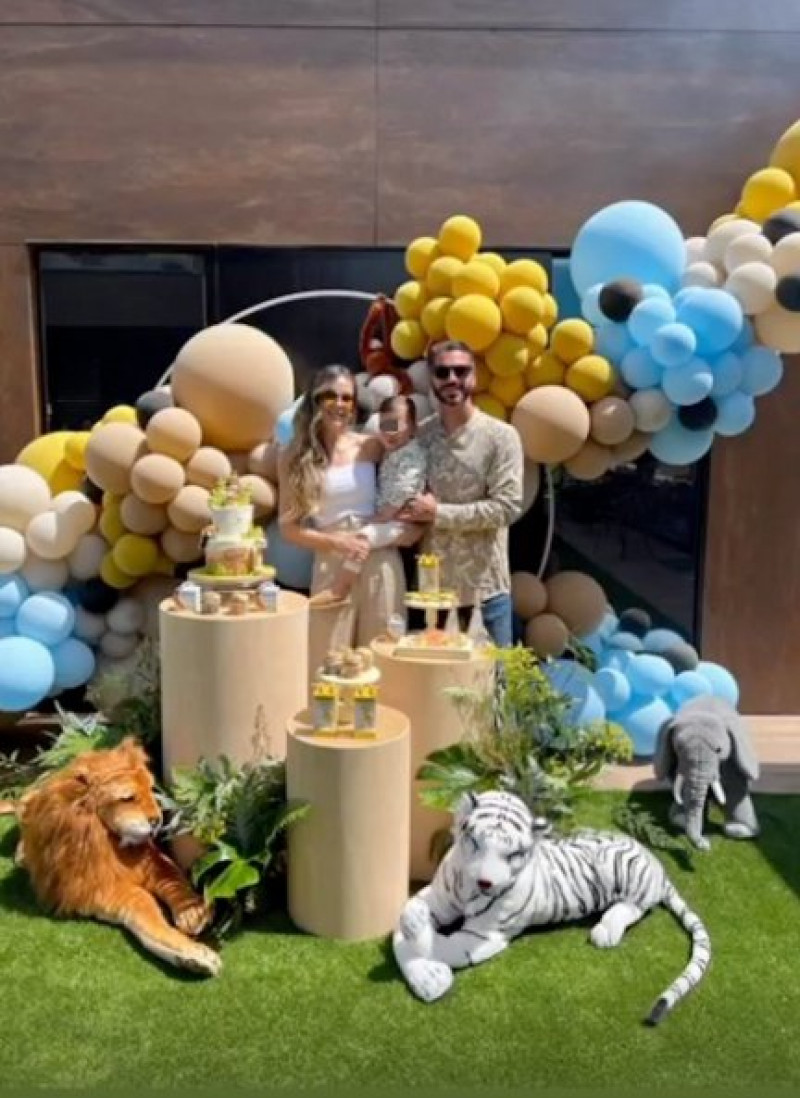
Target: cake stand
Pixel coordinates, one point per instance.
(414, 646)
(248, 582)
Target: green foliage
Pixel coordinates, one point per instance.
(521, 740)
(642, 825)
(230, 492)
(240, 813)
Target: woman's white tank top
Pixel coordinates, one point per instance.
(347, 490)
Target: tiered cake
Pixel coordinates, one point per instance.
(233, 544)
(430, 596)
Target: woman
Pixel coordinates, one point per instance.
(328, 488)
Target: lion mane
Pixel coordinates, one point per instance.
(87, 842)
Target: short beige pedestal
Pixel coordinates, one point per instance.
(417, 688)
(348, 858)
(230, 685)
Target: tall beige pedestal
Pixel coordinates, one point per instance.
(230, 685)
(348, 858)
(417, 688)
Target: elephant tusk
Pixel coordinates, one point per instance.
(718, 791)
(677, 789)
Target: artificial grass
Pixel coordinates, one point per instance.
(84, 1007)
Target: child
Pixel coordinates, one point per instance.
(402, 475)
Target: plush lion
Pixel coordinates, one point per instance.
(375, 344)
(87, 843)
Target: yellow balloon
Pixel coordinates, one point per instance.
(491, 405)
(508, 355)
(111, 574)
(483, 377)
(786, 153)
(121, 413)
(495, 261)
(537, 340)
(765, 192)
(164, 566)
(434, 315)
(439, 279)
(420, 253)
(408, 340)
(524, 272)
(508, 390)
(409, 300)
(136, 555)
(75, 450)
(45, 455)
(550, 310)
(571, 340)
(460, 236)
(111, 525)
(475, 320)
(591, 377)
(476, 278)
(547, 369)
(522, 308)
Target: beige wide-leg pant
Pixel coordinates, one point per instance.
(377, 593)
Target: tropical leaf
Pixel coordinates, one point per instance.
(236, 877)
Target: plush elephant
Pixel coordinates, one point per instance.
(705, 747)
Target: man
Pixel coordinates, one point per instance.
(474, 492)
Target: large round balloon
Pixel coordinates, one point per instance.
(676, 445)
(236, 380)
(46, 455)
(74, 664)
(46, 617)
(24, 493)
(112, 450)
(553, 423)
(633, 240)
(27, 673)
(293, 565)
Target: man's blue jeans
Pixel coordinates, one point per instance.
(498, 617)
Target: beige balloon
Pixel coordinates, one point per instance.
(265, 497)
(695, 249)
(207, 466)
(75, 509)
(547, 635)
(86, 558)
(236, 380)
(591, 462)
(753, 286)
(578, 600)
(701, 273)
(263, 461)
(240, 461)
(189, 511)
(181, 547)
(12, 550)
(630, 450)
(747, 249)
(174, 432)
(24, 493)
(612, 421)
(785, 257)
(157, 478)
(111, 452)
(44, 575)
(553, 423)
(142, 518)
(528, 594)
(779, 329)
(720, 238)
(651, 409)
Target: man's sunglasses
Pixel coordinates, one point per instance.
(441, 373)
(328, 396)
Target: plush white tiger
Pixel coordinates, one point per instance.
(503, 874)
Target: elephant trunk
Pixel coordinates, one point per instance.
(695, 794)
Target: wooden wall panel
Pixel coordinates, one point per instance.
(19, 392)
(751, 606)
(257, 136)
(256, 13)
(532, 132)
(605, 15)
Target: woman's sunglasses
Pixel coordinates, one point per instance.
(328, 396)
(442, 373)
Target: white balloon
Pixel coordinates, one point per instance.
(88, 627)
(651, 409)
(753, 286)
(127, 616)
(702, 274)
(718, 239)
(44, 575)
(52, 536)
(118, 645)
(77, 510)
(695, 246)
(747, 249)
(24, 494)
(420, 376)
(86, 558)
(786, 255)
(12, 550)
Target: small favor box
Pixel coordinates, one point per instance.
(325, 709)
(428, 578)
(365, 711)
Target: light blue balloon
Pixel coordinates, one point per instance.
(648, 316)
(722, 682)
(735, 413)
(688, 685)
(294, 565)
(284, 426)
(590, 307)
(728, 371)
(612, 341)
(588, 707)
(27, 673)
(640, 370)
(13, 592)
(649, 674)
(74, 664)
(745, 339)
(609, 624)
(652, 289)
(575, 681)
(762, 370)
(642, 718)
(673, 345)
(595, 643)
(8, 627)
(47, 617)
(628, 642)
(715, 316)
(628, 240)
(659, 640)
(618, 659)
(675, 445)
(688, 384)
(613, 688)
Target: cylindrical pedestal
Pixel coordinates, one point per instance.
(348, 858)
(417, 687)
(230, 685)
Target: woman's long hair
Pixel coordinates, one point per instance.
(305, 456)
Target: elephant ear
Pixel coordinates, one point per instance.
(743, 751)
(665, 760)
